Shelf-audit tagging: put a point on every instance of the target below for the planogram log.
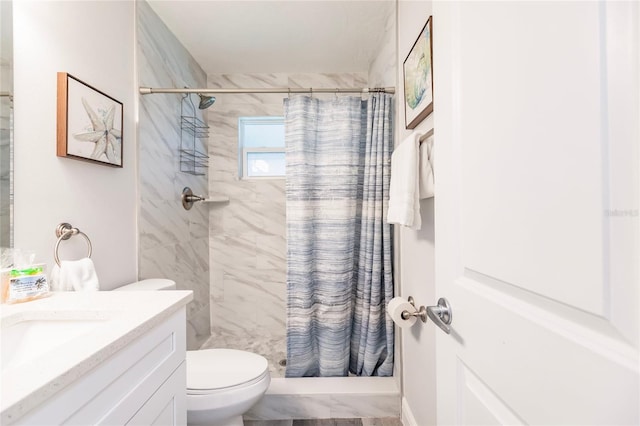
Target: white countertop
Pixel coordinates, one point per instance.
(122, 317)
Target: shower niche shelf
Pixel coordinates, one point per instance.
(194, 134)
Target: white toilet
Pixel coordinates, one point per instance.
(222, 384)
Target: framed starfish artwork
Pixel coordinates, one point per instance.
(89, 123)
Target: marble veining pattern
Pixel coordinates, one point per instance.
(328, 398)
(173, 242)
(382, 70)
(384, 421)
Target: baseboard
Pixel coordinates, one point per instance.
(407, 415)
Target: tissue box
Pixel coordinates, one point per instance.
(24, 284)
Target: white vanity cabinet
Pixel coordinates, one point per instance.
(143, 383)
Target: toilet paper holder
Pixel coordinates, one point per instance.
(420, 312)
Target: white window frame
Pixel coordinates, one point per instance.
(245, 155)
(246, 151)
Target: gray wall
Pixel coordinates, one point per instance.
(99, 200)
(416, 249)
(173, 242)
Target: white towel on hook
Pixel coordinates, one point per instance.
(404, 202)
(78, 275)
(426, 168)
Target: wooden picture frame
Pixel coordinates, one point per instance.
(89, 123)
(418, 78)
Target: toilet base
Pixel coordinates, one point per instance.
(232, 421)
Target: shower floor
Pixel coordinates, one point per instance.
(272, 349)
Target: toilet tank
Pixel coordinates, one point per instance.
(149, 285)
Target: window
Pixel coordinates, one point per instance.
(261, 147)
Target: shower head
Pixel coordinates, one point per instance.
(206, 101)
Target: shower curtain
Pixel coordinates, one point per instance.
(339, 259)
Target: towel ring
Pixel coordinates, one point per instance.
(64, 231)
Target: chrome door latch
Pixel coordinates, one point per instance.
(441, 314)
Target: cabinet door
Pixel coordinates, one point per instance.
(168, 405)
(114, 392)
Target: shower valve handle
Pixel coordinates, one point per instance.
(188, 198)
(192, 198)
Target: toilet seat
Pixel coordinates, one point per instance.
(220, 370)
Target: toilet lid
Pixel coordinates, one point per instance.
(222, 368)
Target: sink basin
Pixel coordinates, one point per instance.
(27, 339)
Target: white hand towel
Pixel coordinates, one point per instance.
(55, 283)
(404, 204)
(78, 275)
(426, 169)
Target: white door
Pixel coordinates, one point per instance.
(537, 234)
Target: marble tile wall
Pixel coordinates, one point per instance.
(328, 398)
(6, 167)
(173, 242)
(247, 235)
(278, 407)
(6, 124)
(386, 421)
(383, 68)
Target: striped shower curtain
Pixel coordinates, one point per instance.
(339, 276)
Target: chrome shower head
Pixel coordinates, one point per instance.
(206, 101)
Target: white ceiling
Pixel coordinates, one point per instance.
(236, 36)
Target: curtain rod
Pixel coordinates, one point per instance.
(311, 90)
